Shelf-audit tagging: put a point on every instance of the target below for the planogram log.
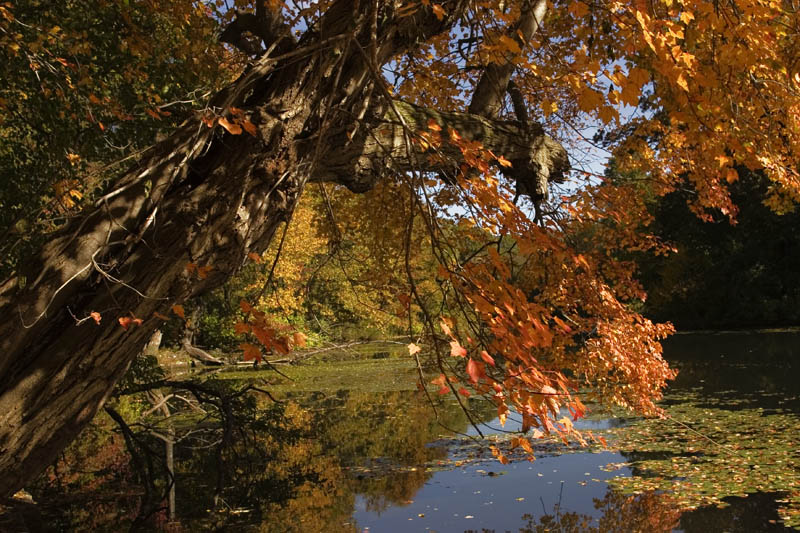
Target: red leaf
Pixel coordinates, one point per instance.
(96, 316)
(251, 352)
(264, 336)
(178, 310)
(456, 350)
(282, 345)
(441, 380)
(474, 370)
(487, 358)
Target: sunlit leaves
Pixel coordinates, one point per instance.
(95, 81)
(128, 321)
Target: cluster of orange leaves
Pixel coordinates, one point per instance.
(272, 336)
(553, 304)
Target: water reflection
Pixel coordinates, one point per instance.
(351, 460)
(757, 370)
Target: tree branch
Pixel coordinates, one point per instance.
(380, 149)
(491, 89)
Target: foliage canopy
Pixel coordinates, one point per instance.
(523, 300)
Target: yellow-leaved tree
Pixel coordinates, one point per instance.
(467, 113)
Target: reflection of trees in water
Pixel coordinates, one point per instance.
(756, 512)
(392, 425)
(251, 461)
(394, 489)
(742, 369)
(381, 432)
(618, 513)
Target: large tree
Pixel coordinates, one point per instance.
(718, 85)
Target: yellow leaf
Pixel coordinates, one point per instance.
(589, 99)
(579, 9)
(681, 81)
(607, 114)
(503, 161)
(413, 349)
(510, 44)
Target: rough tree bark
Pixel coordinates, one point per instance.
(206, 197)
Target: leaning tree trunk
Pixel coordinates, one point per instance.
(209, 198)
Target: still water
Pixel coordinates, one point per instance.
(570, 491)
(380, 460)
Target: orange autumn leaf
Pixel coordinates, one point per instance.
(249, 127)
(127, 321)
(178, 310)
(299, 339)
(251, 352)
(231, 127)
(456, 350)
(474, 370)
(202, 272)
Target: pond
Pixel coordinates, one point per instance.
(353, 446)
